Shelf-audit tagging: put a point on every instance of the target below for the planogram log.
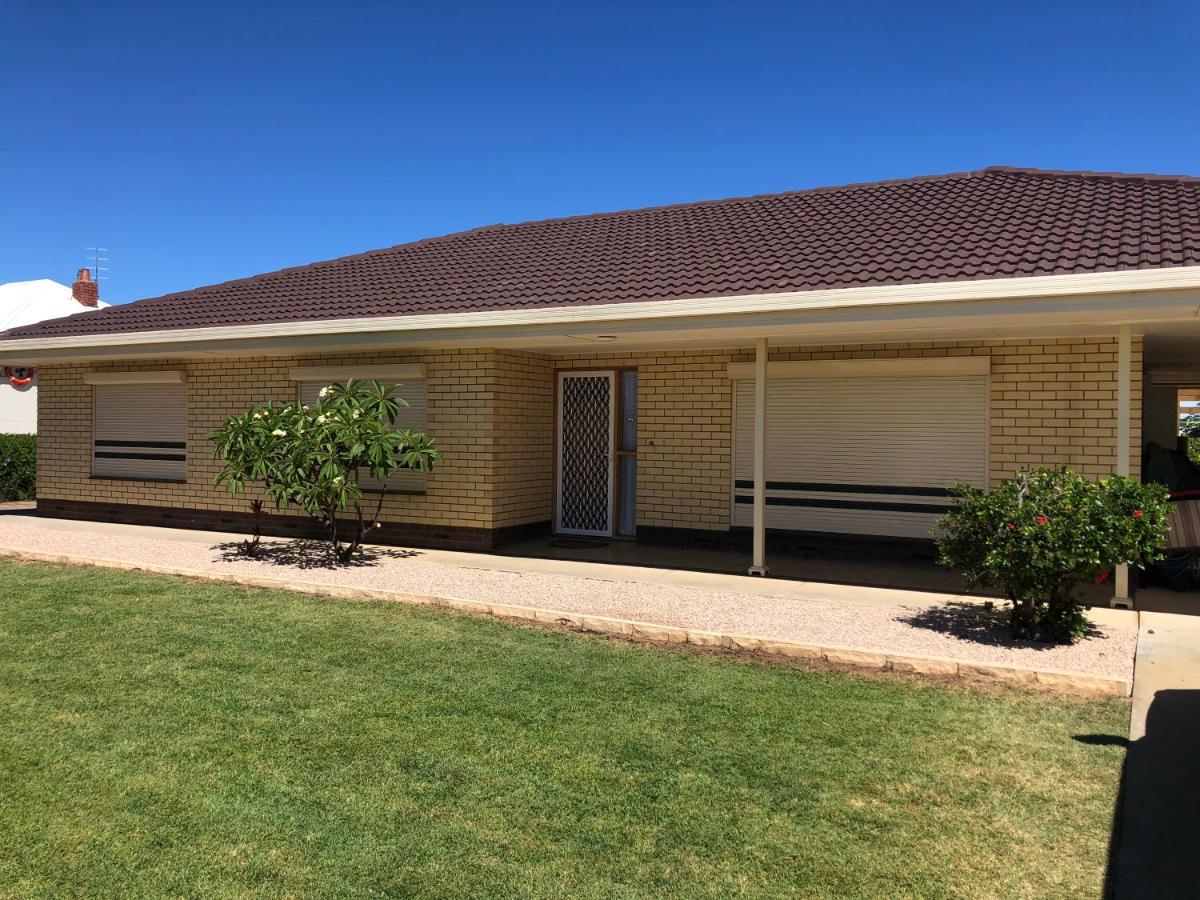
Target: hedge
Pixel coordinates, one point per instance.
(18, 466)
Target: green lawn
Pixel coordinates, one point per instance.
(160, 736)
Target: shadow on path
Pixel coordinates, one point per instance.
(1155, 851)
(306, 554)
(978, 623)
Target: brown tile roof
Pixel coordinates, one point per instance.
(993, 223)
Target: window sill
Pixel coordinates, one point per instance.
(130, 478)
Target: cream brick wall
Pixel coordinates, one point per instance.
(1055, 402)
(524, 416)
(493, 415)
(462, 390)
(685, 404)
(1052, 402)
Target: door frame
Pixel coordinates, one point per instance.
(618, 453)
(564, 374)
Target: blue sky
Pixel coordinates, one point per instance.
(209, 141)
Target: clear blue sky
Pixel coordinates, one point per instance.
(208, 141)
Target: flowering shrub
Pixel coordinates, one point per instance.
(1036, 536)
(311, 456)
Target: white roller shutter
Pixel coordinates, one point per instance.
(861, 455)
(413, 416)
(140, 431)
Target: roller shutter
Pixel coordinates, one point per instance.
(413, 416)
(140, 431)
(857, 455)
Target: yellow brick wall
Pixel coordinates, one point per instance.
(1053, 401)
(461, 387)
(524, 414)
(493, 415)
(685, 405)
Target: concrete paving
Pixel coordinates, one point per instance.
(1156, 835)
(788, 588)
(920, 638)
(849, 560)
(1162, 600)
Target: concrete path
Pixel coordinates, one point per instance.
(871, 627)
(1103, 616)
(1158, 824)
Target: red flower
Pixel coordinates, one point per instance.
(1041, 520)
(1012, 526)
(1137, 513)
(1102, 577)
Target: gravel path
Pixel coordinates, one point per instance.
(964, 631)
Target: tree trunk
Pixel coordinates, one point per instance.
(1024, 617)
(333, 534)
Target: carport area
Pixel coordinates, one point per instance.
(1170, 394)
(799, 556)
(836, 559)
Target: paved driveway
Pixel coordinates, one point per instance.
(1158, 831)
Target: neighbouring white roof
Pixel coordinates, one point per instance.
(27, 302)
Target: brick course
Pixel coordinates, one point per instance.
(492, 413)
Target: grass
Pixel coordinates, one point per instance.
(165, 737)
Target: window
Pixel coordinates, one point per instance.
(140, 431)
(409, 386)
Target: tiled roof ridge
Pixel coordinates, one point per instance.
(855, 186)
(1098, 176)
(263, 276)
(747, 198)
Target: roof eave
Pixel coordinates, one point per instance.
(720, 310)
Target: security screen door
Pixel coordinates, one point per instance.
(585, 453)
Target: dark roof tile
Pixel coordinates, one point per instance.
(995, 223)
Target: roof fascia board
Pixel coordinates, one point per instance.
(686, 335)
(1105, 290)
(878, 331)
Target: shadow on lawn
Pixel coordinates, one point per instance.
(302, 553)
(978, 623)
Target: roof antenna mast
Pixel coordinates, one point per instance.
(95, 259)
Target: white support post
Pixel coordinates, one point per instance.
(1124, 405)
(759, 563)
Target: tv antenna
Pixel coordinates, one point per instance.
(95, 259)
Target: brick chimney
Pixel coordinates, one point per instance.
(85, 290)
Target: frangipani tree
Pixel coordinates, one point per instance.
(312, 456)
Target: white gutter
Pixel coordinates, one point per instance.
(575, 317)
